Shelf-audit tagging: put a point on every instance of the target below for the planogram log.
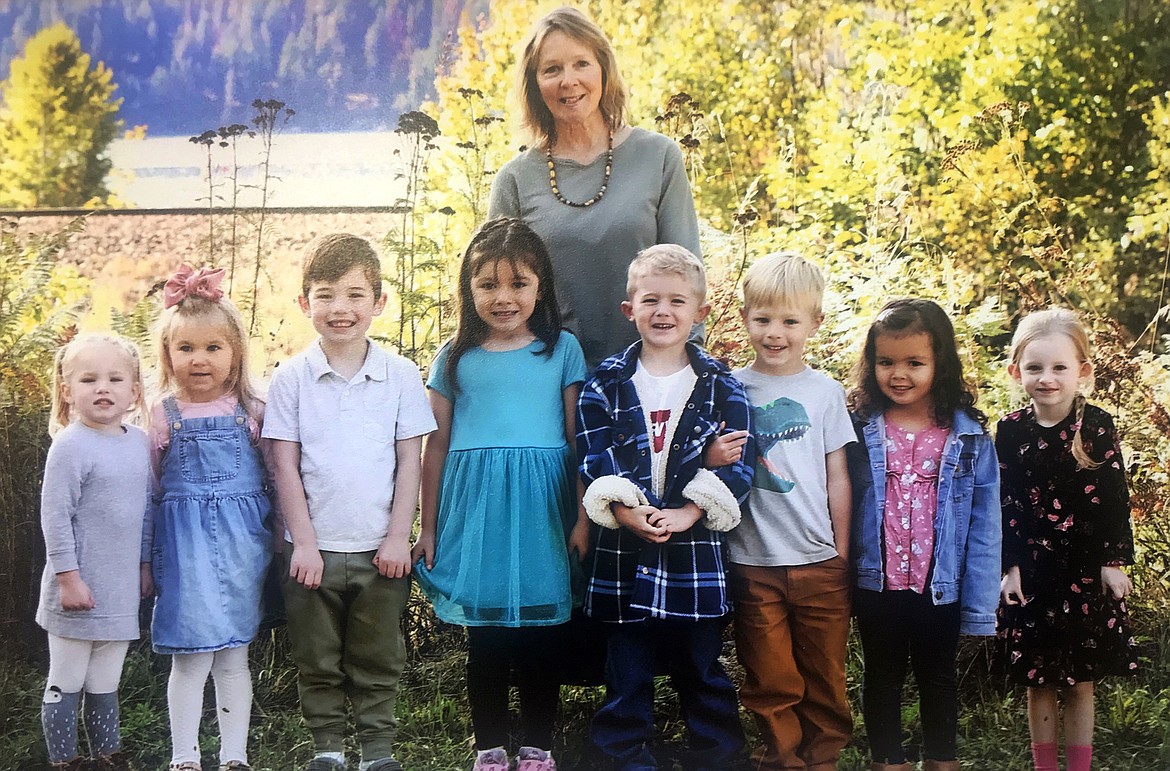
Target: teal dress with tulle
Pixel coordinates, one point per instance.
(507, 496)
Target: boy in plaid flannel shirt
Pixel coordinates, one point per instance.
(658, 571)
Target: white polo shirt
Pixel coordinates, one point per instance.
(347, 430)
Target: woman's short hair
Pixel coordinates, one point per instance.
(535, 117)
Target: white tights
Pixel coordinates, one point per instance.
(94, 665)
(233, 702)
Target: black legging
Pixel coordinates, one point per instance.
(493, 654)
(897, 627)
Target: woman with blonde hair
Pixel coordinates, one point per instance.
(595, 189)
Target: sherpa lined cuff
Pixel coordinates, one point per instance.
(608, 490)
(709, 493)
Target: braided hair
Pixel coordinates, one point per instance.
(1051, 322)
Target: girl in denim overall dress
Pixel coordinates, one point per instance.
(926, 527)
(212, 537)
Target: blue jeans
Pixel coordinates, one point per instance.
(689, 652)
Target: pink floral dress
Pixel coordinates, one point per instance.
(1061, 524)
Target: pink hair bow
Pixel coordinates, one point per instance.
(188, 282)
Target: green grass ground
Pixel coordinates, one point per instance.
(1132, 733)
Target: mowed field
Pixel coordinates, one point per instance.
(123, 253)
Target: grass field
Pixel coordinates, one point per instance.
(434, 733)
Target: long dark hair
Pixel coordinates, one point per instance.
(504, 238)
(949, 391)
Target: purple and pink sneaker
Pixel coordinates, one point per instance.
(535, 759)
(495, 759)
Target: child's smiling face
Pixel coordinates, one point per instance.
(778, 333)
(1050, 372)
(904, 368)
(100, 386)
(505, 293)
(664, 306)
(342, 310)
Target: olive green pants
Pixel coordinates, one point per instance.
(347, 643)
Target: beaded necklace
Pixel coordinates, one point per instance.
(552, 178)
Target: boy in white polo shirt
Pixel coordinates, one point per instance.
(348, 419)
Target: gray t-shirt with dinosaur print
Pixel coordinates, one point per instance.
(798, 420)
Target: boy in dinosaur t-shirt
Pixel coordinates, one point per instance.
(790, 567)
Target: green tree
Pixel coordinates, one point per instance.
(58, 117)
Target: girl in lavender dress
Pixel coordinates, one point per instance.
(94, 506)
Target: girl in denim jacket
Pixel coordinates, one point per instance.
(926, 526)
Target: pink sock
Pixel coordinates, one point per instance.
(1079, 757)
(1044, 756)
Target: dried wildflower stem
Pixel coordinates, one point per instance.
(268, 125)
(421, 129)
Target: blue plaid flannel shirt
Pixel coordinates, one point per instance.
(631, 579)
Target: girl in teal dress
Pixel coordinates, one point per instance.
(499, 512)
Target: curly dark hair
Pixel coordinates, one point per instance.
(503, 238)
(949, 391)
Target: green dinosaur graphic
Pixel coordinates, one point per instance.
(782, 420)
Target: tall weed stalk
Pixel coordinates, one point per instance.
(40, 303)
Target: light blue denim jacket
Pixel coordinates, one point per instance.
(966, 560)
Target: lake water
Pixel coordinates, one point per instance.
(335, 169)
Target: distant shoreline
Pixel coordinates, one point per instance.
(310, 169)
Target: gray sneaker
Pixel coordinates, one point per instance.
(385, 764)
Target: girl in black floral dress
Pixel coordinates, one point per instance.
(1066, 534)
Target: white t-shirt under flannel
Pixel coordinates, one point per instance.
(662, 398)
(347, 430)
(798, 420)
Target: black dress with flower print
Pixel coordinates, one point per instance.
(1061, 524)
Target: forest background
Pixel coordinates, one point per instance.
(995, 155)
